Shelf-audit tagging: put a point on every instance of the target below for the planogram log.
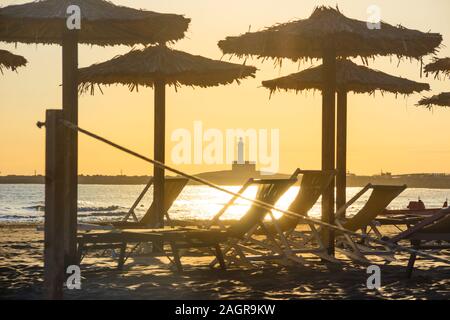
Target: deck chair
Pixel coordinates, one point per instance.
(294, 243)
(433, 233)
(172, 189)
(237, 247)
(213, 237)
(364, 222)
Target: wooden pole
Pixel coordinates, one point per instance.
(54, 206)
(328, 141)
(159, 152)
(341, 150)
(70, 110)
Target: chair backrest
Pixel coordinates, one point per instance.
(380, 198)
(312, 186)
(172, 189)
(437, 223)
(441, 226)
(269, 191)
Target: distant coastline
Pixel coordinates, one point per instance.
(431, 181)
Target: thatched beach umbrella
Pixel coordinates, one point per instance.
(11, 61)
(158, 66)
(438, 66)
(442, 100)
(328, 34)
(102, 23)
(350, 77)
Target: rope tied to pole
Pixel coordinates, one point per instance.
(393, 246)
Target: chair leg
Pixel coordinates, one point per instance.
(224, 252)
(410, 268)
(242, 257)
(121, 262)
(219, 256)
(176, 257)
(412, 259)
(158, 246)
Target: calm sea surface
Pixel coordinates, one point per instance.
(25, 203)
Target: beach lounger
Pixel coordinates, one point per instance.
(293, 244)
(432, 233)
(172, 189)
(228, 237)
(364, 222)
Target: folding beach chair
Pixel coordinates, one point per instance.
(240, 233)
(269, 191)
(364, 222)
(281, 237)
(433, 233)
(172, 189)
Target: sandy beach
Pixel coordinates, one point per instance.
(145, 277)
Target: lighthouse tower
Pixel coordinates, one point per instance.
(242, 167)
(240, 159)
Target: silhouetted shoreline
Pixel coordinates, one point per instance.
(430, 181)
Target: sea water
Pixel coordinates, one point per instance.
(24, 203)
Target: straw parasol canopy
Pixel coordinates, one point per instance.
(158, 66)
(442, 100)
(350, 77)
(102, 23)
(327, 34)
(304, 39)
(438, 66)
(11, 61)
(155, 63)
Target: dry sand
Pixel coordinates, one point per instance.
(21, 277)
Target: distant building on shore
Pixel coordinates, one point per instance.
(241, 171)
(242, 168)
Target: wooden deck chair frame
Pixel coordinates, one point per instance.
(292, 244)
(365, 221)
(180, 239)
(96, 242)
(226, 243)
(180, 184)
(236, 249)
(432, 233)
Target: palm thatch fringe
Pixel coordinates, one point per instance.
(350, 77)
(154, 63)
(102, 23)
(328, 28)
(442, 100)
(11, 61)
(438, 66)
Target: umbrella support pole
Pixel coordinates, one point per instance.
(70, 113)
(341, 149)
(159, 152)
(54, 205)
(328, 142)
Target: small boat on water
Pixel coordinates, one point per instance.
(414, 213)
(415, 208)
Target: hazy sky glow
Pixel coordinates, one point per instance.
(385, 132)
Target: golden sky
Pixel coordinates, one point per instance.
(385, 132)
